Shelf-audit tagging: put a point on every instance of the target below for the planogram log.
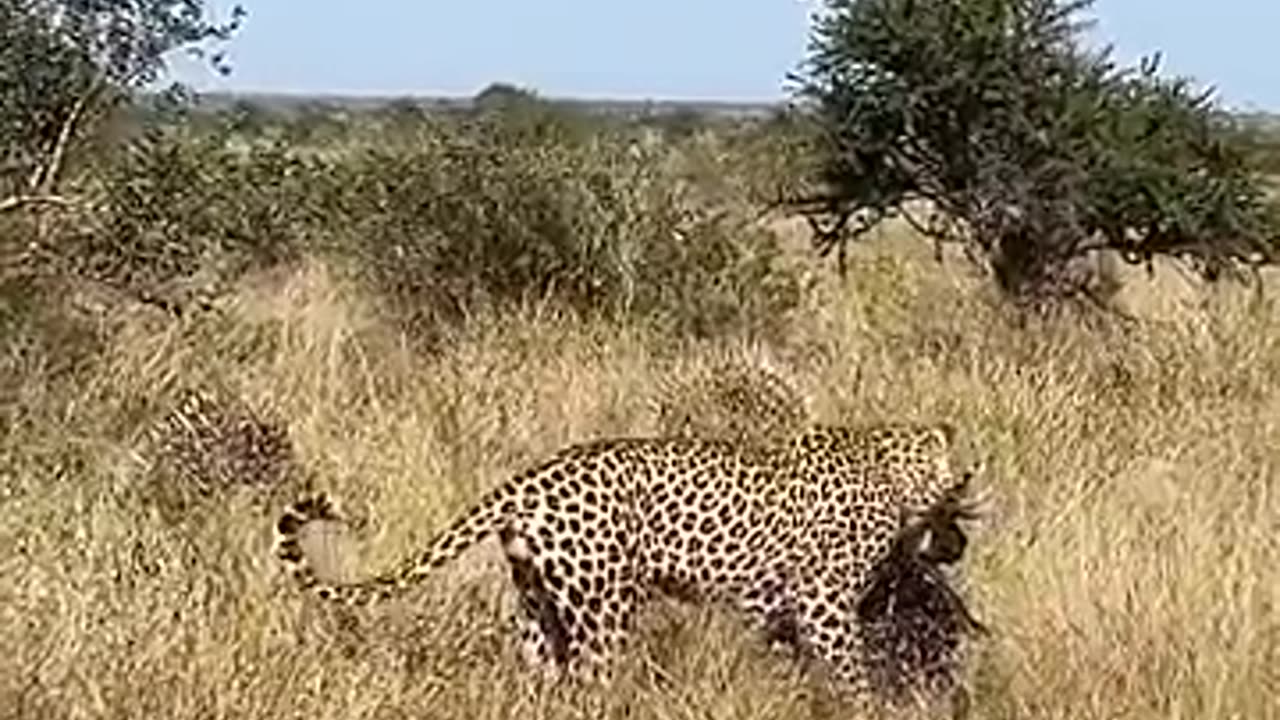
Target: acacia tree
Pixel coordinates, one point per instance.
(990, 123)
(64, 63)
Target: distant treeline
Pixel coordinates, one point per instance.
(286, 103)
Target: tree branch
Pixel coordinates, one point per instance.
(43, 179)
(17, 202)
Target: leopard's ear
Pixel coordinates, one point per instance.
(976, 468)
(947, 431)
(968, 504)
(965, 477)
(935, 440)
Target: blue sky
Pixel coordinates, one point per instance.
(706, 49)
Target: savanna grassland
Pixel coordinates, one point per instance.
(427, 309)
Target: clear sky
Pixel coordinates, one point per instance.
(668, 49)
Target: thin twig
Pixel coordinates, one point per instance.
(17, 202)
(43, 182)
(925, 231)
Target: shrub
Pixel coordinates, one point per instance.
(63, 64)
(764, 163)
(1261, 138)
(178, 216)
(487, 214)
(457, 216)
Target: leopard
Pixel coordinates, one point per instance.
(741, 396)
(744, 395)
(790, 536)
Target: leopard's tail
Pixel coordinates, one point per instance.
(485, 518)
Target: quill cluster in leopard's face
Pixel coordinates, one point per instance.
(211, 442)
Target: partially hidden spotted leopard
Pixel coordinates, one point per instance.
(791, 536)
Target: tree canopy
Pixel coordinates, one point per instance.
(991, 123)
(64, 62)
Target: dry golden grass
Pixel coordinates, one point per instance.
(1128, 568)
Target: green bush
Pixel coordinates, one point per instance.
(762, 163)
(487, 213)
(457, 216)
(64, 65)
(180, 216)
(1261, 138)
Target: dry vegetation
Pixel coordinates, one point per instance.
(205, 314)
(1127, 567)
(403, 323)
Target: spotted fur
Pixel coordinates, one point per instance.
(792, 536)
